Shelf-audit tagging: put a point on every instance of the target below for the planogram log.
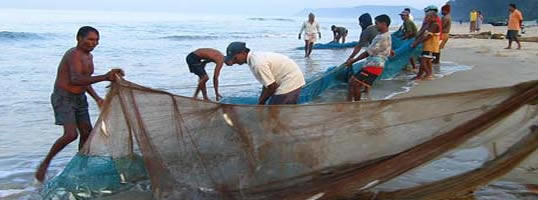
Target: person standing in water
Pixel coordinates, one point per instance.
(280, 76)
(73, 80)
(446, 21)
(409, 31)
(430, 38)
(197, 61)
(311, 33)
(339, 33)
(368, 33)
(376, 55)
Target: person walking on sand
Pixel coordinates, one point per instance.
(376, 55)
(430, 38)
(339, 33)
(311, 33)
(73, 80)
(197, 61)
(515, 21)
(280, 76)
(446, 21)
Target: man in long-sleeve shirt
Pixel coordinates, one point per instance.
(311, 33)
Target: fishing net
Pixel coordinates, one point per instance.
(331, 45)
(194, 149)
(337, 75)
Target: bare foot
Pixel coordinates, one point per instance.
(532, 188)
(429, 78)
(40, 173)
(534, 128)
(519, 48)
(508, 48)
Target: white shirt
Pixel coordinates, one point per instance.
(309, 28)
(269, 68)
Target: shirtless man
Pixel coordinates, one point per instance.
(68, 99)
(197, 61)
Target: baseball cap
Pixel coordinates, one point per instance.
(233, 49)
(430, 8)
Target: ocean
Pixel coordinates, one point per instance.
(151, 48)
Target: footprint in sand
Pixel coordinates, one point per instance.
(499, 54)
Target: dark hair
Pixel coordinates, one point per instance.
(446, 8)
(85, 30)
(365, 20)
(408, 9)
(512, 5)
(384, 19)
(247, 50)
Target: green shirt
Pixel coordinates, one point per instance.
(409, 27)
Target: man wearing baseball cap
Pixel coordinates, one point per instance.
(280, 76)
(409, 29)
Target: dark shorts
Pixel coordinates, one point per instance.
(512, 34)
(69, 108)
(366, 78)
(288, 98)
(428, 54)
(196, 65)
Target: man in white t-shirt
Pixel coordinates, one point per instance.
(280, 76)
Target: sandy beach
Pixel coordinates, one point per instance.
(493, 66)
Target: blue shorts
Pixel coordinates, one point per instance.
(69, 108)
(196, 65)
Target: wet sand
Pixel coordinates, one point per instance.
(493, 66)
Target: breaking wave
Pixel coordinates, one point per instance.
(7, 36)
(223, 36)
(270, 19)
(190, 37)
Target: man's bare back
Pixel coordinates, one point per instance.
(197, 66)
(210, 54)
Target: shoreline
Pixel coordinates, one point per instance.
(492, 65)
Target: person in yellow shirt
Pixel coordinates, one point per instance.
(473, 17)
(430, 39)
(514, 25)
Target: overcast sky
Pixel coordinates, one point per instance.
(251, 7)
